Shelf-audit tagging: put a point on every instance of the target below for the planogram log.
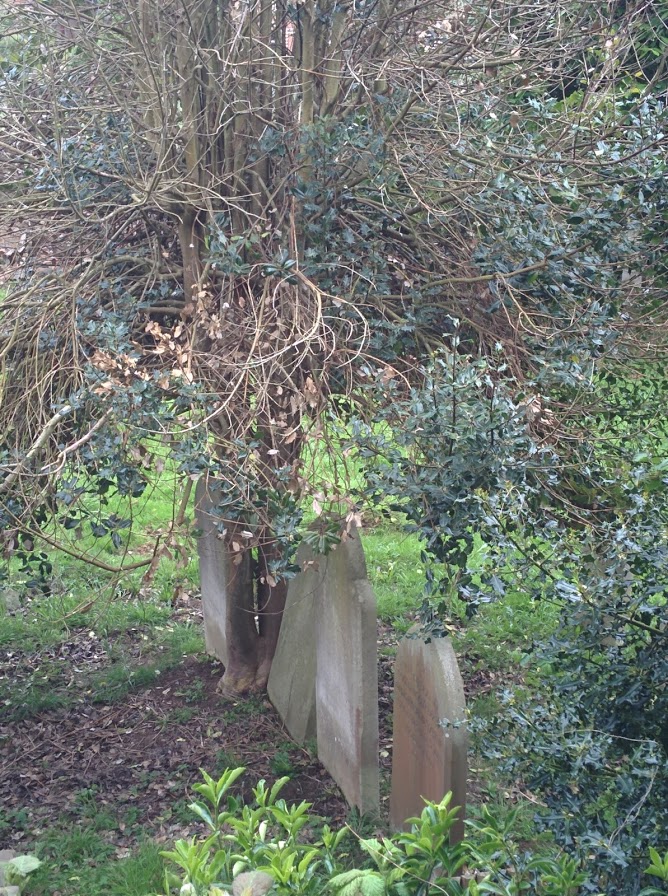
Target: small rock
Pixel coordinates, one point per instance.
(6, 855)
(9, 891)
(10, 599)
(252, 883)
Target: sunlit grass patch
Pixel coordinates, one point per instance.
(80, 860)
(396, 572)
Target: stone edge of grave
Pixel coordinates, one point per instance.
(6, 855)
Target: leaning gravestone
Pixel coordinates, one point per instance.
(324, 679)
(213, 571)
(429, 754)
(291, 684)
(347, 676)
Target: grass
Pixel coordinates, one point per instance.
(282, 762)
(500, 633)
(47, 621)
(13, 821)
(81, 861)
(394, 567)
(52, 622)
(86, 599)
(497, 636)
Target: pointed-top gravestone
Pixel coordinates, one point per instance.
(347, 676)
(429, 753)
(291, 685)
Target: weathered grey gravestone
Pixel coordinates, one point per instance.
(213, 572)
(347, 676)
(429, 754)
(291, 685)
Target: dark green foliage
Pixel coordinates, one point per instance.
(439, 454)
(495, 506)
(603, 798)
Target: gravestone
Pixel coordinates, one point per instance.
(347, 676)
(291, 684)
(213, 571)
(429, 754)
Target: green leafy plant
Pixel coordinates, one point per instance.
(657, 868)
(262, 837)
(267, 845)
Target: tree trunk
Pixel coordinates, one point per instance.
(271, 603)
(256, 595)
(253, 615)
(240, 628)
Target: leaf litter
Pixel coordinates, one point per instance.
(133, 761)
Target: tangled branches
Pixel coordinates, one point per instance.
(218, 213)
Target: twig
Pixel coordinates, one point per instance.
(57, 418)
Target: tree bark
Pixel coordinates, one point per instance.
(240, 628)
(271, 603)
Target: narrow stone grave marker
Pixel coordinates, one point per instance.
(347, 676)
(212, 570)
(429, 754)
(291, 685)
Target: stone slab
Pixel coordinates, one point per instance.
(212, 570)
(430, 740)
(10, 600)
(347, 676)
(6, 855)
(291, 686)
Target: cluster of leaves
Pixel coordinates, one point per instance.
(579, 254)
(439, 452)
(603, 798)
(495, 507)
(268, 845)
(596, 744)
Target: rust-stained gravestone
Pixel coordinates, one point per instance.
(429, 754)
(347, 676)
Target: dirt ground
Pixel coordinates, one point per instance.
(138, 758)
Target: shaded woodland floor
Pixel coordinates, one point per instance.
(128, 766)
